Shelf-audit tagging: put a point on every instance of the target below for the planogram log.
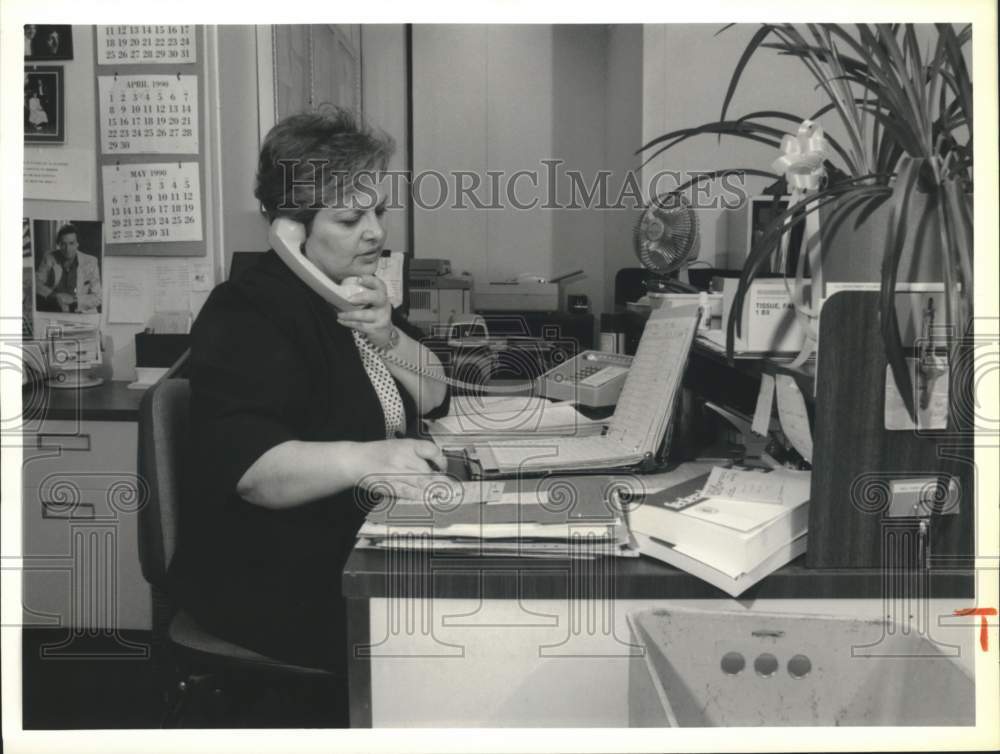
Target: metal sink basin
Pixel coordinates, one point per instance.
(721, 668)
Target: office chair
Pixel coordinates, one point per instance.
(631, 283)
(191, 662)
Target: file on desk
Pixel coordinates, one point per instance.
(572, 515)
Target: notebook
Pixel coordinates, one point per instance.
(640, 421)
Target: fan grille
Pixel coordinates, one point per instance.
(666, 235)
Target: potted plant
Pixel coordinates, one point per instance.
(904, 171)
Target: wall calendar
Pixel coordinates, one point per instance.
(149, 114)
(122, 44)
(152, 202)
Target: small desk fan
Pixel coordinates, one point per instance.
(666, 237)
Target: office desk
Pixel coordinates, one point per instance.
(465, 641)
(81, 492)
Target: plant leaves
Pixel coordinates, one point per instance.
(759, 36)
(712, 175)
(891, 339)
(766, 245)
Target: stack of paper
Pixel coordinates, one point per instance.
(560, 517)
(731, 527)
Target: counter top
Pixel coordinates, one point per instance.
(370, 573)
(110, 402)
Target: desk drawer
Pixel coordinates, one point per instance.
(80, 546)
(81, 562)
(89, 449)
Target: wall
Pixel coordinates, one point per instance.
(579, 136)
(82, 132)
(244, 228)
(522, 94)
(686, 70)
(383, 98)
(623, 135)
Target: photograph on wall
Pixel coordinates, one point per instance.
(48, 42)
(27, 280)
(68, 259)
(44, 112)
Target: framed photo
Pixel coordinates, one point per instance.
(68, 264)
(44, 106)
(48, 42)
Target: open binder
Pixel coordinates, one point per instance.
(640, 424)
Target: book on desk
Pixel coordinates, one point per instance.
(730, 527)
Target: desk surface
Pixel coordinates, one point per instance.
(110, 402)
(371, 573)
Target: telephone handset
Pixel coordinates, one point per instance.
(286, 238)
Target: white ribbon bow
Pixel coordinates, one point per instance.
(801, 163)
(802, 156)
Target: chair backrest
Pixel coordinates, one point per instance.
(630, 285)
(163, 448)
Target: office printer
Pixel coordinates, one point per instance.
(436, 296)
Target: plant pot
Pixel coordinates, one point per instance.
(853, 253)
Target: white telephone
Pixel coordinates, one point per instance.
(287, 237)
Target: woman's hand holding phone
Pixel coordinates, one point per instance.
(375, 319)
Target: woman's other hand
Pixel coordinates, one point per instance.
(375, 320)
(406, 467)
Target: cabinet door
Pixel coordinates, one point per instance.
(80, 538)
(310, 65)
(292, 69)
(336, 65)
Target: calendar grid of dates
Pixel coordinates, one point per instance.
(149, 114)
(145, 44)
(152, 203)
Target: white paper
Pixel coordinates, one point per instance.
(793, 415)
(933, 415)
(178, 322)
(735, 514)
(765, 402)
(740, 484)
(562, 418)
(650, 484)
(148, 114)
(466, 405)
(171, 286)
(390, 271)
(58, 174)
(127, 296)
(148, 43)
(152, 202)
(202, 278)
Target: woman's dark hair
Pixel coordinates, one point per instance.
(309, 161)
(65, 230)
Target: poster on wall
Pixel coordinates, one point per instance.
(68, 256)
(59, 175)
(44, 110)
(145, 44)
(48, 42)
(149, 114)
(158, 202)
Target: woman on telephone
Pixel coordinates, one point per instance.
(298, 408)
